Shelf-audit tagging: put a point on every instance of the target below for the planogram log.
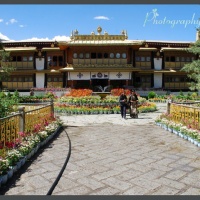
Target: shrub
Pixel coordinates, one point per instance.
(151, 95)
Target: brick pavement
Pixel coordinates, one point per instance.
(111, 156)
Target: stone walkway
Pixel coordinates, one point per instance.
(112, 156)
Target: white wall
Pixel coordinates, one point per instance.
(157, 80)
(39, 63)
(158, 63)
(40, 80)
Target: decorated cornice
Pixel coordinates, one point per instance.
(99, 36)
(75, 66)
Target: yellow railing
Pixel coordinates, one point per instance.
(37, 116)
(24, 121)
(9, 129)
(186, 114)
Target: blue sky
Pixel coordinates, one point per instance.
(142, 22)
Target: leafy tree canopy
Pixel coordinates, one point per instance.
(5, 66)
(193, 69)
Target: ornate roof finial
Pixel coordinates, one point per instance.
(99, 29)
(76, 32)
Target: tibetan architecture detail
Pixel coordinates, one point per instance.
(98, 59)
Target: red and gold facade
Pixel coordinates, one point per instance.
(100, 59)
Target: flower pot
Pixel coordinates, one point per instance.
(170, 129)
(28, 156)
(3, 179)
(19, 164)
(185, 137)
(23, 160)
(198, 144)
(195, 142)
(10, 173)
(175, 131)
(14, 168)
(192, 140)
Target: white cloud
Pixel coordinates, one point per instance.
(101, 17)
(12, 21)
(21, 26)
(1, 20)
(61, 38)
(3, 37)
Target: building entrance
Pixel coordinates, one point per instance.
(99, 85)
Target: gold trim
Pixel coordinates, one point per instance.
(50, 49)
(21, 49)
(174, 49)
(147, 49)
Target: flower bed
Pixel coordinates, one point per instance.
(185, 131)
(18, 152)
(81, 102)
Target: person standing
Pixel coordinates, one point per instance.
(133, 101)
(123, 104)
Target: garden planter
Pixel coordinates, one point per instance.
(36, 149)
(23, 160)
(192, 140)
(3, 179)
(175, 131)
(185, 137)
(19, 164)
(10, 173)
(170, 129)
(165, 127)
(198, 144)
(14, 168)
(28, 156)
(180, 134)
(195, 142)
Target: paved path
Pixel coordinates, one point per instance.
(111, 156)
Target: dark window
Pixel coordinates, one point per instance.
(182, 79)
(167, 59)
(99, 55)
(93, 55)
(14, 59)
(60, 58)
(137, 79)
(54, 58)
(172, 59)
(105, 55)
(19, 58)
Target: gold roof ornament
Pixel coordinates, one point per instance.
(99, 30)
(158, 53)
(99, 38)
(76, 32)
(105, 33)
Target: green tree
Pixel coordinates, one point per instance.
(5, 67)
(193, 69)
